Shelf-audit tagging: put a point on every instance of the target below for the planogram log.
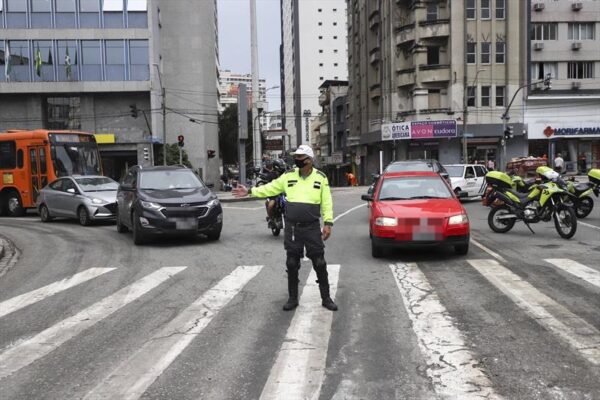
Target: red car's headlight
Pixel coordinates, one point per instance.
(386, 221)
(458, 219)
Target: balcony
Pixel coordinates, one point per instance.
(406, 77)
(374, 21)
(434, 29)
(375, 55)
(434, 73)
(324, 98)
(405, 34)
(375, 91)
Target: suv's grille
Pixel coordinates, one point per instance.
(183, 212)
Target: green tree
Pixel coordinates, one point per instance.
(172, 155)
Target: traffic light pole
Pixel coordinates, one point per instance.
(164, 123)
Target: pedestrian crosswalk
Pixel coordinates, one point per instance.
(301, 366)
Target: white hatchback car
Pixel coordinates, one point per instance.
(469, 178)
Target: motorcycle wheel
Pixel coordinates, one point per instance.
(584, 208)
(565, 221)
(500, 226)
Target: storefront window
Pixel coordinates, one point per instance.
(68, 60)
(113, 13)
(137, 13)
(65, 14)
(16, 14)
(89, 13)
(43, 61)
(41, 14)
(19, 59)
(139, 60)
(91, 60)
(115, 60)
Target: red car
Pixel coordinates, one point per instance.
(416, 208)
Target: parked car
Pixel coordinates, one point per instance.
(88, 198)
(167, 200)
(469, 178)
(416, 208)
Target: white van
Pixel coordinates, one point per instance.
(469, 178)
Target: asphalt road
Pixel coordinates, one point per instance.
(86, 314)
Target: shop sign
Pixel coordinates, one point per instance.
(105, 138)
(419, 130)
(337, 158)
(572, 131)
(397, 131)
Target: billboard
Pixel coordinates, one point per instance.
(419, 130)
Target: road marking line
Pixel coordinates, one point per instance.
(450, 364)
(26, 299)
(490, 252)
(299, 370)
(579, 270)
(348, 212)
(25, 352)
(588, 225)
(243, 208)
(545, 311)
(133, 377)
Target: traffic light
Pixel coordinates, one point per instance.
(211, 153)
(134, 111)
(508, 132)
(146, 154)
(548, 82)
(180, 140)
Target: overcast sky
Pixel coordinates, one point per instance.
(234, 41)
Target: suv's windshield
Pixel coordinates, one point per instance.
(409, 166)
(414, 188)
(455, 171)
(97, 184)
(176, 179)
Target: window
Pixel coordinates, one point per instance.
(320, 10)
(500, 52)
(320, 51)
(113, 13)
(471, 9)
(321, 78)
(2, 58)
(320, 64)
(63, 113)
(1, 18)
(335, 51)
(485, 96)
(91, 60)
(43, 60)
(139, 60)
(485, 52)
(335, 64)
(67, 60)
(89, 15)
(580, 70)
(581, 31)
(539, 70)
(471, 53)
(471, 92)
(65, 14)
(432, 12)
(480, 171)
(137, 13)
(16, 14)
(115, 60)
(544, 31)
(20, 159)
(485, 9)
(500, 9)
(500, 96)
(469, 173)
(320, 24)
(8, 153)
(433, 55)
(335, 37)
(335, 24)
(41, 14)
(19, 60)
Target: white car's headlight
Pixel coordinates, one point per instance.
(97, 201)
(386, 221)
(458, 219)
(151, 206)
(213, 203)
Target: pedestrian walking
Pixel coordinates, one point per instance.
(559, 163)
(491, 164)
(351, 179)
(582, 163)
(308, 198)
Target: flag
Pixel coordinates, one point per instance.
(50, 61)
(68, 63)
(38, 61)
(7, 67)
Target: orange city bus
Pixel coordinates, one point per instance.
(29, 160)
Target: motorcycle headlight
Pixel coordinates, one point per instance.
(97, 201)
(458, 219)
(386, 221)
(151, 206)
(213, 203)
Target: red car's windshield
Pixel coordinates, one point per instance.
(411, 188)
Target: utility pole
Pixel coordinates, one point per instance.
(242, 131)
(255, 82)
(465, 91)
(164, 114)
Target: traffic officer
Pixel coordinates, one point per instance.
(308, 198)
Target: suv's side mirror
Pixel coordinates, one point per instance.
(366, 197)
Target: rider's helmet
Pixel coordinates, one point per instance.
(268, 164)
(280, 166)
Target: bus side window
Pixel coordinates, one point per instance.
(7, 154)
(20, 159)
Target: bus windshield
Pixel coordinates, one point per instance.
(75, 159)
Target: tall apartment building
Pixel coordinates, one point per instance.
(229, 83)
(81, 64)
(411, 63)
(313, 50)
(564, 43)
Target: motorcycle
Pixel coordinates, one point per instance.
(544, 202)
(277, 222)
(582, 192)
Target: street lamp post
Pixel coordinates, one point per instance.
(164, 114)
(466, 113)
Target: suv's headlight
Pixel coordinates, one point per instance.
(98, 201)
(213, 203)
(151, 206)
(458, 219)
(386, 221)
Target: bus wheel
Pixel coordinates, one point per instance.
(14, 205)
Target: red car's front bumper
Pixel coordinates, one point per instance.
(421, 231)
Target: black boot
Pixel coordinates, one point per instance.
(292, 291)
(326, 300)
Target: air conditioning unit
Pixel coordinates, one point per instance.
(576, 46)
(538, 46)
(577, 6)
(538, 6)
(576, 85)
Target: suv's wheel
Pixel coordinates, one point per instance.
(120, 227)
(214, 234)
(138, 236)
(84, 216)
(45, 214)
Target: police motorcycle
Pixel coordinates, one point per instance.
(582, 192)
(276, 222)
(544, 202)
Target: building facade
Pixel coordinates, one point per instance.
(444, 66)
(566, 119)
(83, 64)
(229, 83)
(313, 50)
